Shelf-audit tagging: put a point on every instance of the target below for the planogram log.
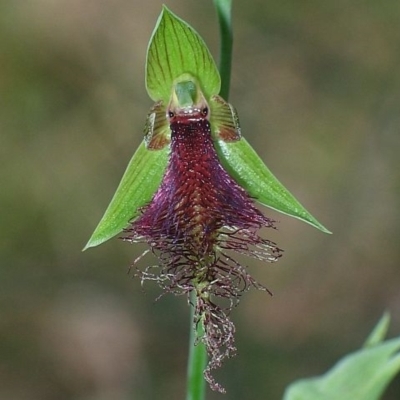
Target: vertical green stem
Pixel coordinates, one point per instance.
(197, 354)
(224, 11)
(197, 359)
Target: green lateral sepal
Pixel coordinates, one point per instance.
(139, 182)
(250, 172)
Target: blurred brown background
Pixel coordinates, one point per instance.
(317, 87)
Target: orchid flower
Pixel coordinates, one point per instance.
(190, 190)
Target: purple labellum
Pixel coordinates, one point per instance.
(198, 218)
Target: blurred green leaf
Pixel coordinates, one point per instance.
(139, 182)
(175, 49)
(379, 332)
(247, 168)
(363, 375)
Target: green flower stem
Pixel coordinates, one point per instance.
(224, 11)
(197, 359)
(197, 353)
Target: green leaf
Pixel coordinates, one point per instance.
(139, 182)
(364, 374)
(379, 332)
(247, 168)
(175, 49)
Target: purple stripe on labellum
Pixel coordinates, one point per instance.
(198, 218)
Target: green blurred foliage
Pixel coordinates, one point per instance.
(363, 374)
(317, 88)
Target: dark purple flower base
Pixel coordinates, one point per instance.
(195, 223)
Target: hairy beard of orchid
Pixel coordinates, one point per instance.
(198, 218)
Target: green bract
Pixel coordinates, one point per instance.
(180, 69)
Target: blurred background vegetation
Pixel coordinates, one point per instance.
(317, 87)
